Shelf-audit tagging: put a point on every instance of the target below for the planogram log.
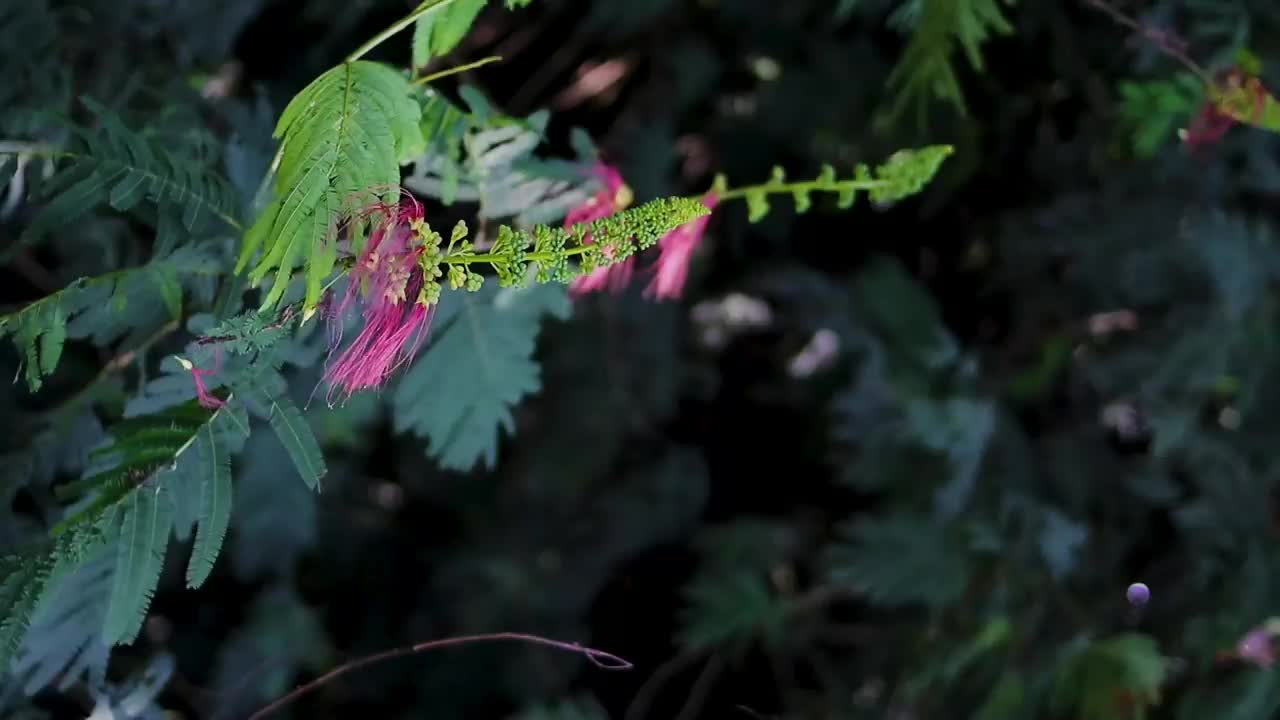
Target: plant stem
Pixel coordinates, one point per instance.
(455, 70)
(469, 258)
(600, 658)
(810, 186)
(396, 27)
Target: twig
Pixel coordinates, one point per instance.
(1167, 42)
(600, 658)
(285, 316)
(426, 79)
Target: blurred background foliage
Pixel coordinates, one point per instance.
(900, 462)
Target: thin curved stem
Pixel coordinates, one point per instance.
(396, 27)
(771, 188)
(600, 658)
(425, 79)
(1167, 43)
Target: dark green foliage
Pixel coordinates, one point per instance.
(939, 29)
(900, 460)
(888, 559)
(120, 167)
(281, 636)
(478, 366)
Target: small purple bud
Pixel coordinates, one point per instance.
(1138, 594)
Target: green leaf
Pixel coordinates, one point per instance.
(147, 518)
(902, 559)
(64, 643)
(926, 69)
(1097, 677)
(1007, 700)
(479, 365)
(1150, 111)
(298, 440)
(22, 579)
(345, 133)
(40, 329)
(113, 164)
(132, 506)
(731, 609)
(215, 506)
(440, 29)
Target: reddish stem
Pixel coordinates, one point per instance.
(600, 658)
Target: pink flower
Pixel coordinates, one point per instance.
(203, 396)
(387, 281)
(675, 251)
(613, 197)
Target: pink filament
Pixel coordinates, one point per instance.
(386, 279)
(675, 253)
(613, 278)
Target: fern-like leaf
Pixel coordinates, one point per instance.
(460, 393)
(1151, 111)
(92, 307)
(115, 165)
(298, 440)
(731, 609)
(64, 642)
(926, 69)
(900, 560)
(22, 579)
(346, 132)
(131, 503)
(146, 519)
(215, 505)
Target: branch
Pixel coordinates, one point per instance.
(600, 658)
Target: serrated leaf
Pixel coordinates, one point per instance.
(731, 609)
(298, 440)
(64, 642)
(479, 365)
(215, 506)
(343, 134)
(441, 28)
(115, 165)
(899, 560)
(147, 518)
(92, 307)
